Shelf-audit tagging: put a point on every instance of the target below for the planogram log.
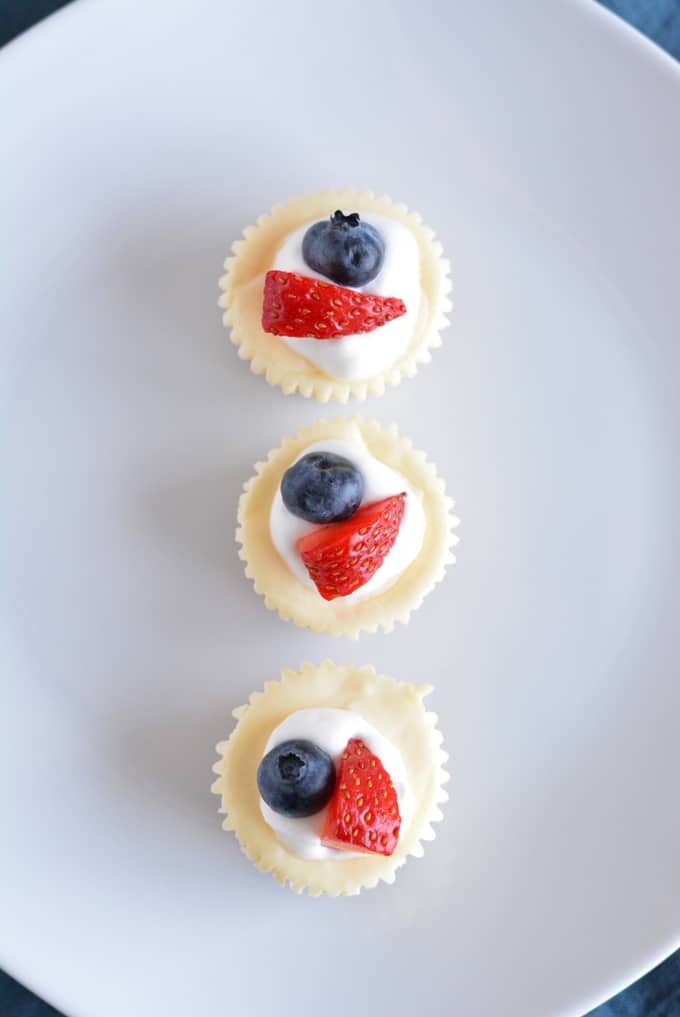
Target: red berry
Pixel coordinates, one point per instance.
(296, 305)
(341, 557)
(363, 814)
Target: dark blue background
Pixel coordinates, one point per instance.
(658, 993)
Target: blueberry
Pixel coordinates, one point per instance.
(322, 488)
(346, 250)
(296, 778)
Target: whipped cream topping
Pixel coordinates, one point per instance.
(366, 354)
(380, 481)
(332, 729)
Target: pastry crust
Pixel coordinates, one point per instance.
(301, 604)
(395, 708)
(243, 284)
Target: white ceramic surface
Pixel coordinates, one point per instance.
(138, 139)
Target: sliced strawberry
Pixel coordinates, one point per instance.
(363, 814)
(341, 557)
(298, 306)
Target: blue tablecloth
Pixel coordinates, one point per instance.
(658, 993)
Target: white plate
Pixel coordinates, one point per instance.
(542, 142)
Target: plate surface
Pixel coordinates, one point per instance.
(541, 141)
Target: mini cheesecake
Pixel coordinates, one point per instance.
(336, 294)
(332, 777)
(345, 528)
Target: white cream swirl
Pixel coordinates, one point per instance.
(366, 354)
(331, 729)
(380, 481)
